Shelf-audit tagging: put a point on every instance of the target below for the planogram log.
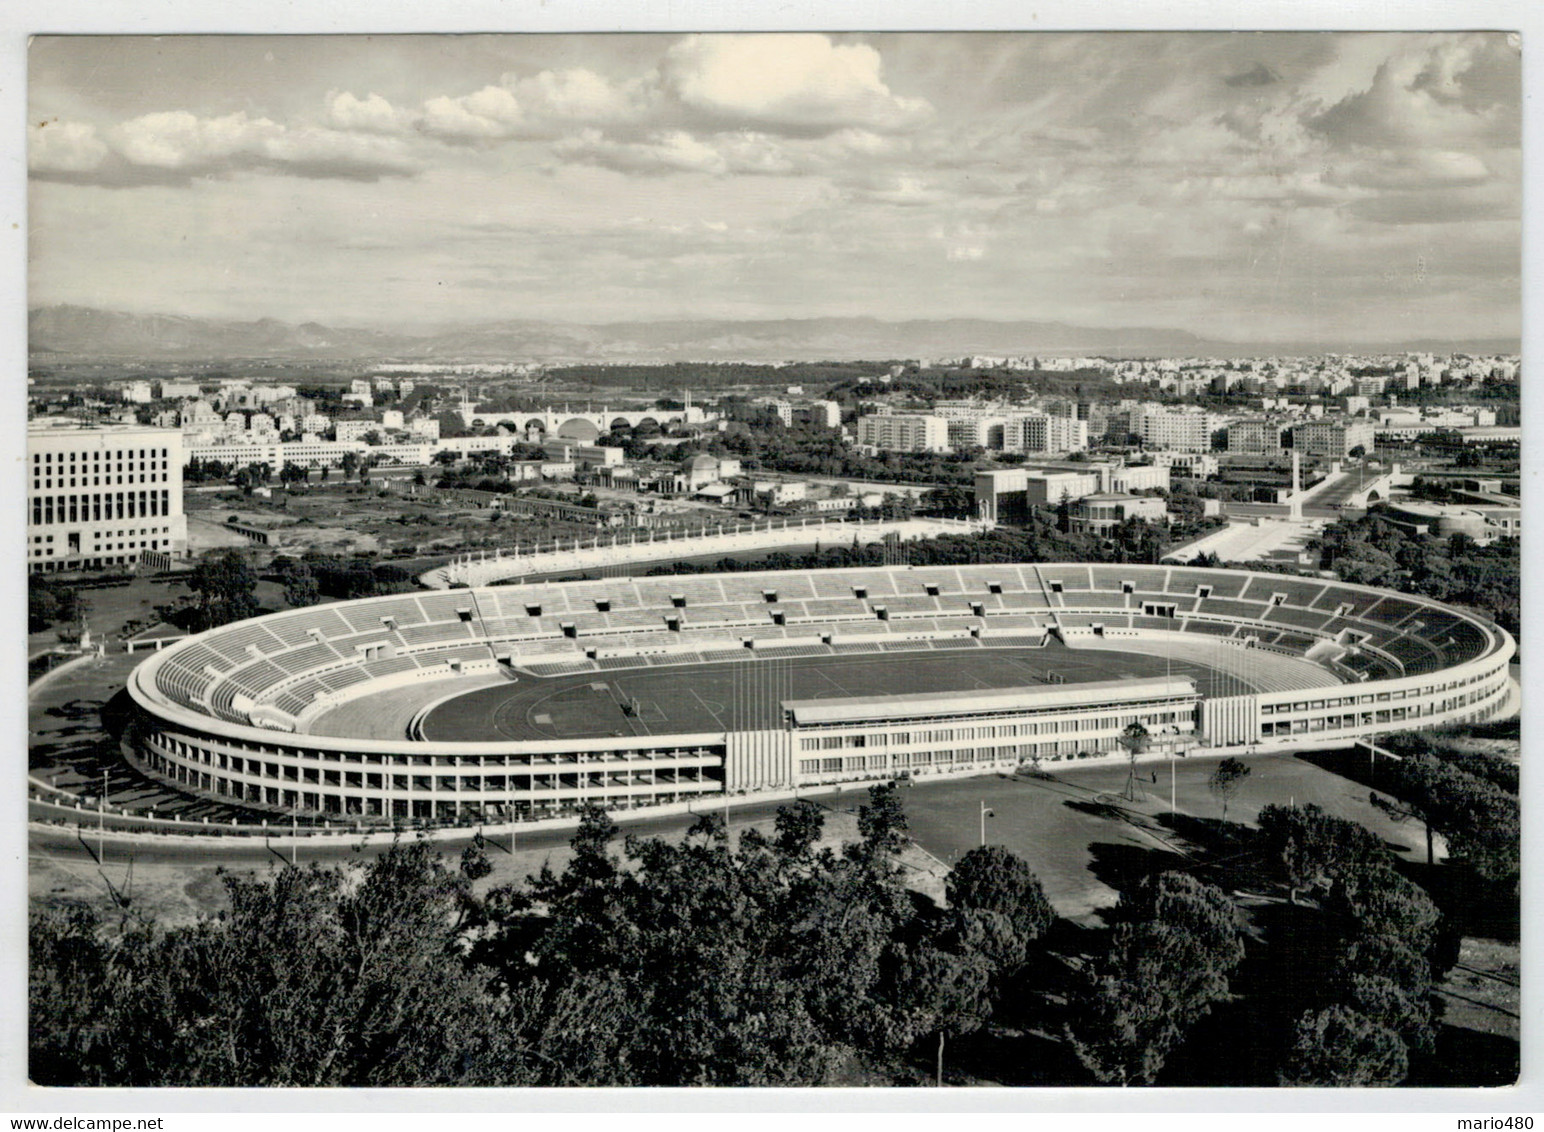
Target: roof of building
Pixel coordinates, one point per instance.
(858, 709)
(160, 631)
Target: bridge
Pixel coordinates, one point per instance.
(580, 426)
(1377, 489)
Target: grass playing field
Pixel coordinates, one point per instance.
(739, 695)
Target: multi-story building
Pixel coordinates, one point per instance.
(1333, 438)
(102, 496)
(1256, 436)
(819, 414)
(1040, 432)
(975, 432)
(138, 393)
(176, 390)
(249, 449)
(355, 430)
(1182, 428)
(904, 433)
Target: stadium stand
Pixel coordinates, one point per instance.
(301, 664)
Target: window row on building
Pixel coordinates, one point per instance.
(100, 507)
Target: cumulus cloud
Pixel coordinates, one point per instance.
(789, 83)
(1424, 96)
(372, 114)
(174, 146)
(545, 105)
(55, 146)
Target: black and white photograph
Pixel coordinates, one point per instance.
(865, 560)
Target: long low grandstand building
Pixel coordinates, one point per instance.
(525, 701)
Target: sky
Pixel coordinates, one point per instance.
(1252, 187)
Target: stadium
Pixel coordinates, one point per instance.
(518, 702)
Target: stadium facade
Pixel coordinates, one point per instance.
(230, 713)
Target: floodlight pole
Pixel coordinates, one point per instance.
(983, 825)
(102, 822)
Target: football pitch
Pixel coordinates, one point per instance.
(742, 695)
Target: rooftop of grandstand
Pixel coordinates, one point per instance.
(859, 709)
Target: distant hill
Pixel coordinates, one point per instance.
(88, 332)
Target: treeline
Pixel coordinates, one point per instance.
(767, 960)
(992, 384)
(801, 451)
(1468, 797)
(317, 577)
(702, 376)
(1362, 964)
(1374, 552)
(52, 603)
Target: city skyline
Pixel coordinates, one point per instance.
(1238, 186)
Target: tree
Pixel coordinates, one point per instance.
(990, 878)
(798, 827)
(474, 859)
(224, 584)
(1384, 1001)
(1174, 948)
(1313, 848)
(882, 823)
(314, 977)
(1226, 780)
(1134, 738)
(1340, 1047)
(50, 605)
(1477, 818)
(300, 586)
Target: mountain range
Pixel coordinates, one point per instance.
(86, 332)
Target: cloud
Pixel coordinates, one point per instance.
(545, 105)
(1436, 206)
(903, 190)
(175, 146)
(1423, 169)
(371, 114)
(1256, 76)
(673, 151)
(797, 84)
(60, 147)
(1424, 96)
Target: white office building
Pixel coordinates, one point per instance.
(99, 497)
